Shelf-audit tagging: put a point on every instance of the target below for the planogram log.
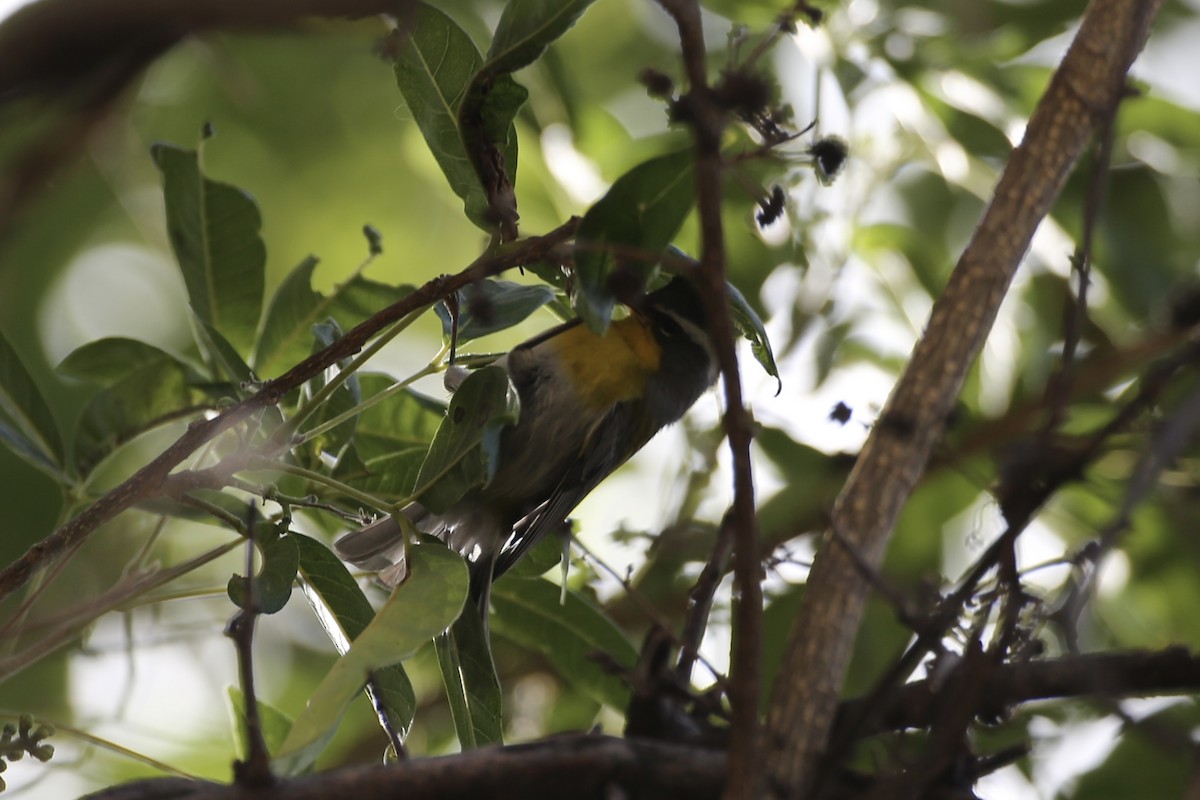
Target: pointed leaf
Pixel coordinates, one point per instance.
(359, 298)
(389, 477)
(423, 606)
(345, 613)
(287, 334)
(527, 27)
(463, 453)
(629, 227)
(532, 614)
(435, 63)
(214, 231)
(539, 559)
(26, 425)
(750, 325)
(471, 684)
(224, 361)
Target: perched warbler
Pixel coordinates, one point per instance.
(588, 403)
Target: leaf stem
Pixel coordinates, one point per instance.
(290, 427)
(432, 368)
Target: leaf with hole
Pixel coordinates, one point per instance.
(271, 588)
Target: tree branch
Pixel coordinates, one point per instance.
(581, 766)
(708, 121)
(603, 767)
(1137, 673)
(1079, 98)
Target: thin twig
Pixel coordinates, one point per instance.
(708, 122)
(255, 770)
(1059, 386)
(700, 599)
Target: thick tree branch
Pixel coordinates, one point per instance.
(1138, 673)
(149, 481)
(578, 766)
(1082, 94)
(585, 766)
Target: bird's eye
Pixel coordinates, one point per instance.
(668, 326)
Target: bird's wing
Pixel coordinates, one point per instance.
(612, 440)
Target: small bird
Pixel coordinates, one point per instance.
(588, 403)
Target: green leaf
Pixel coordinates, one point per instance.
(492, 305)
(423, 606)
(390, 477)
(400, 423)
(214, 232)
(26, 425)
(750, 325)
(472, 687)
(295, 308)
(273, 723)
(436, 62)
(464, 450)
(493, 99)
(273, 584)
(539, 559)
(357, 299)
(532, 614)
(345, 613)
(390, 441)
(629, 227)
(527, 27)
(224, 361)
(287, 336)
(106, 361)
(155, 393)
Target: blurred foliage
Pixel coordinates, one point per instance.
(104, 360)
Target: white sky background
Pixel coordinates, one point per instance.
(9, 6)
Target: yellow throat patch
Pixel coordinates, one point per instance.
(611, 368)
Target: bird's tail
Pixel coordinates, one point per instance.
(379, 547)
